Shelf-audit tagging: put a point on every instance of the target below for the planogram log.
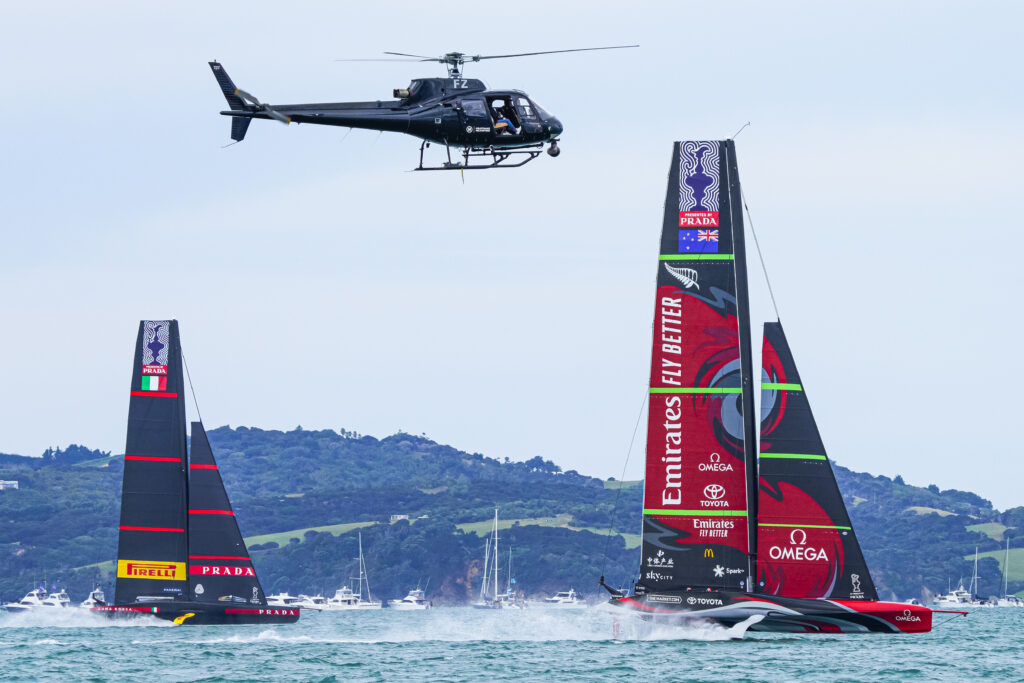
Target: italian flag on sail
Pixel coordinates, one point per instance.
(154, 383)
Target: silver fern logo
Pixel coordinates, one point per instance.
(688, 276)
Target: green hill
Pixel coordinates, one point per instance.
(299, 495)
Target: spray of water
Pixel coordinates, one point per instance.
(464, 625)
(73, 617)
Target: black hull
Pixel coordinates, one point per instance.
(780, 614)
(203, 615)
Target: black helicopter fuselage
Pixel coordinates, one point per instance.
(459, 112)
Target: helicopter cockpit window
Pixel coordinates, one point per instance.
(540, 110)
(525, 107)
(475, 108)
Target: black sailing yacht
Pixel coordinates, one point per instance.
(751, 536)
(180, 555)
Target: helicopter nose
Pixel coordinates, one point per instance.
(554, 127)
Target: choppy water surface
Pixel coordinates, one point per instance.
(471, 645)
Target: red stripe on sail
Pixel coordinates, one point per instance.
(150, 528)
(165, 394)
(210, 512)
(150, 459)
(216, 557)
(203, 467)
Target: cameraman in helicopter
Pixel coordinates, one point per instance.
(503, 124)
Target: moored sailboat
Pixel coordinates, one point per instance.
(346, 598)
(744, 536)
(180, 555)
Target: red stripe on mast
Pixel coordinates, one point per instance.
(150, 528)
(210, 512)
(165, 394)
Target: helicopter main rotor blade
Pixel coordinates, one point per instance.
(477, 58)
(379, 59)
(403, 54)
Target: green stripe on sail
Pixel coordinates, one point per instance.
(794, 456)
(696, 390)
(697, 513)
(809, 526)
(696, 257)
(781, 387)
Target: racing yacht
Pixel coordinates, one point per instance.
(180, 554)
(743, 522)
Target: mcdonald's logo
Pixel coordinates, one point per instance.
(708, 552)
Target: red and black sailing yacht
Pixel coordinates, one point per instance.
(733, 532)
(180, 554)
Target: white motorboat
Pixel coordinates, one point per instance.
(96, 597)
(569, 599)
(962, 597)
(314, 602)
(32, 599)
(954, 599)
(346, 598)
(39, 599)
(414, 600)
(282, 600)
(58, 599)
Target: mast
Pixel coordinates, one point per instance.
(974, 579)
(363, 578)
(746, 359)
(486, 572)
(1006, 569)
(495, 545)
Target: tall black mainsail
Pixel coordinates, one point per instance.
(180, 553)
(152, 544)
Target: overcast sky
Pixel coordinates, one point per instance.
(319, 283)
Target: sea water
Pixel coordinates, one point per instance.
(462, 644)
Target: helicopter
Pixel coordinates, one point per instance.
(491, 128)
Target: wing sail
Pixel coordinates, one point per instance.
(807, 547)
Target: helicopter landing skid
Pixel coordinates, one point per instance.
(498, 158)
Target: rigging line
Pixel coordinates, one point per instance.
(740, 130)
(618, 492)
(195, 402)
(760, 256)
